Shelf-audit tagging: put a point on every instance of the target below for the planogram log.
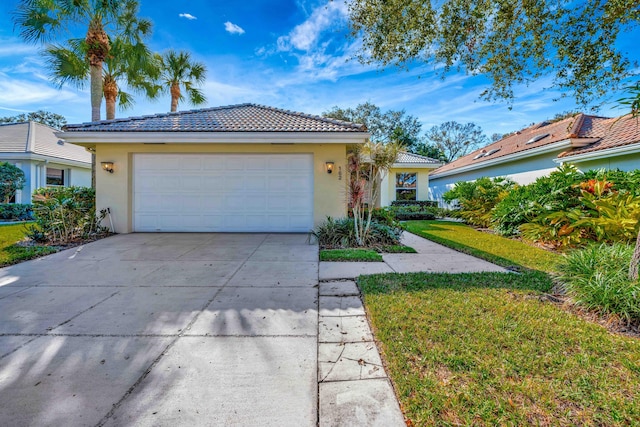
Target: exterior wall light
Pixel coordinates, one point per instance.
(329, 166)
(107, 166)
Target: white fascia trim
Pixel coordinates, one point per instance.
(416, 165)
(595, 155)
(560, 145)
(82, 138)
(41, 158)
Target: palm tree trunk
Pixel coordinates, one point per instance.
(96, 91)
(110, 95)
(175, 96)
(98, 49)
(635, 261)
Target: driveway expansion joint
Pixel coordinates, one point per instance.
(352, 380)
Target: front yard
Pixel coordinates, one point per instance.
(488, 349)
(491, 348)
(10, 253)
(493, 248)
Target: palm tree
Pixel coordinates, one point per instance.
(127, 64)
(42, 21)
(177, 70)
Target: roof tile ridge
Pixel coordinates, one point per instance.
(573, 129)
(418, 155)
(312, 116)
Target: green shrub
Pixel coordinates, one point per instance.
(421, 203)
(64, 214)
(597, 278)
(477, 199)
(11, 180)
(560, 191)
(340, 233)
(16, 212)
(384, 216)
(602, 214)
(417, 210)
(409, 216)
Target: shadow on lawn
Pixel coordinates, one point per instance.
(424, 229)
(414, 282)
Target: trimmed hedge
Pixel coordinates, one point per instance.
(421, 203)
(409, 216)
(16, 211)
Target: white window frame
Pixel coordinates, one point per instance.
(396, 188)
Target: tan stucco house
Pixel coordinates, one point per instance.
(586, 141)
(408, 178)
(45, 159)
(241, 168)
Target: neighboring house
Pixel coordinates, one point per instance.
(408, 179)
(237, 168)
(589, 142)
(45, 159)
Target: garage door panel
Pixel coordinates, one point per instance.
(223, 192)
(256, 163)
(235, 164)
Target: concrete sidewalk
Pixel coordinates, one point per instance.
(431, 257)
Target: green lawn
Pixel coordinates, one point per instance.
(397, 249)
(491, 247)
(363, 255)
(485, 349)
(10, 253)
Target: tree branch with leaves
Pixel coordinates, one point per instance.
(509, 42)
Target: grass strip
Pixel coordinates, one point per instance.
(10, 253)
(485, 349)
(490, 247)
(397, 249)
(361, 255)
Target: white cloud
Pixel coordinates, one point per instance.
(306, 36)
(14, 47)
(17, 92)
(233, 28)
(188, 16)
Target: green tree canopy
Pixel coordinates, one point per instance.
(11, 180)
(53, 120)
(455, 139)
(179, 71)
(392, 125)
(510, 42)
(130, 65)
(430, 150)
(45, 21)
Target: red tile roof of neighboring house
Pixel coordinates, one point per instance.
(580, 126)
(616, 132)
(233, 118)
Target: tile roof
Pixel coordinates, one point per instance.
(233, 118)
(535, 136)
(410, 158)
(36, 138)
(616, 132)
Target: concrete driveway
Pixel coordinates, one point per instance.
(162, 329)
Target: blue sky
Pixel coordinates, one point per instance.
(291, 54)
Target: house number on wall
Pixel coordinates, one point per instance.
(339, 173)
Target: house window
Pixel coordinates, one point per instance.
(55, 177)
(406, 186)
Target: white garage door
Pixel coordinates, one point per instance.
(223, 192)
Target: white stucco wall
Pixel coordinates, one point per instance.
(388, 185)
(523, 172)
(626, 162)
(528, 170)
(35, 176)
